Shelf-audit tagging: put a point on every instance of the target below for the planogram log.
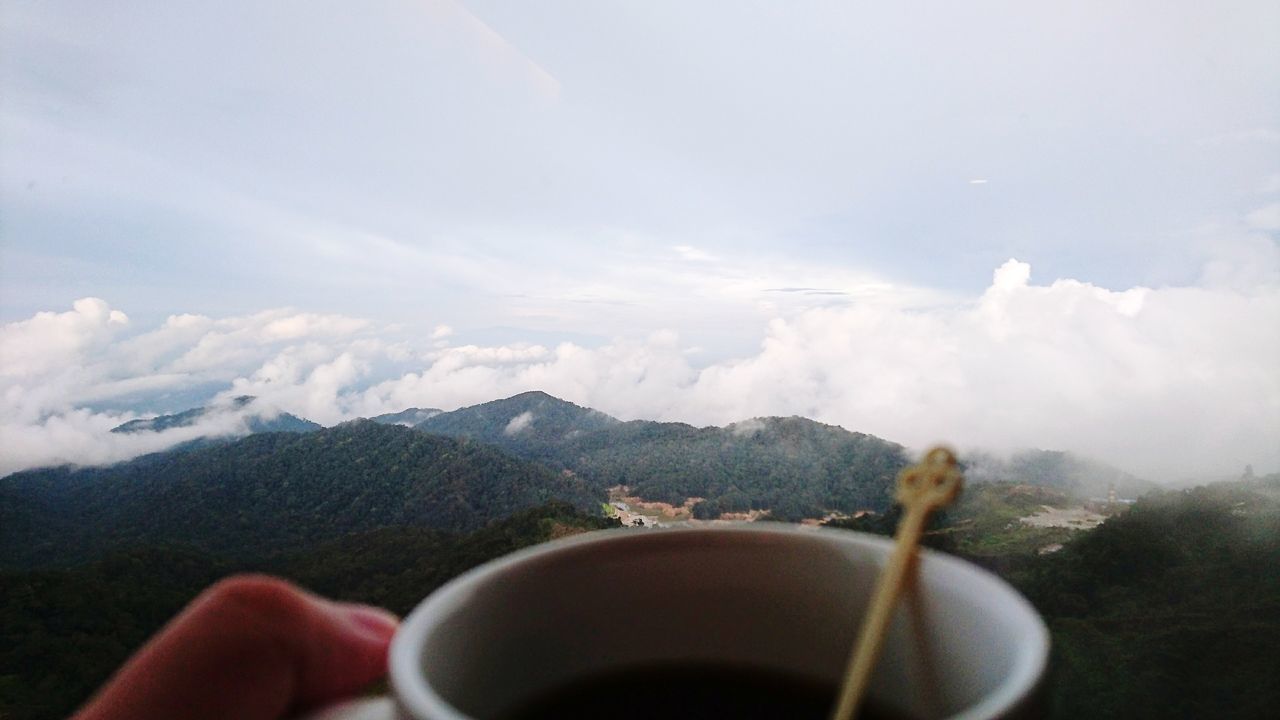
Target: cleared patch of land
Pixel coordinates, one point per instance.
(1076, 518)
(633, 510)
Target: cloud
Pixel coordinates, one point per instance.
(518, 424)
(1265, 218)
(83, 437)
(693, 254)
(26, 346)
(67, 378)
(747, 428)
(1168, 382)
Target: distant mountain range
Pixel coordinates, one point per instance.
(1076, 475)
(455, 470)
(255, 420)
(792, 466)
(408, 418)
(731, 466)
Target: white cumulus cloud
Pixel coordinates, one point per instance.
(1169, 382)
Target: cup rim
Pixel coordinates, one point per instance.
(420, 700)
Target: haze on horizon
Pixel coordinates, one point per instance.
(989, 223)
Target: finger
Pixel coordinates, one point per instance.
(251, 647)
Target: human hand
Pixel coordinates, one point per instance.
(252, 647)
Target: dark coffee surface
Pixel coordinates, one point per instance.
(688, 691)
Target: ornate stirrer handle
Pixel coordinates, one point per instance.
(922, 488)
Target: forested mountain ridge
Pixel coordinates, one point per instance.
(272, 491)
(528, 424)
(793, 467)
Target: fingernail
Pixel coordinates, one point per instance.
(373, 620)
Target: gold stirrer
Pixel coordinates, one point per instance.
(922, 488)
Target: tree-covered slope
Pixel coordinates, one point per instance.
(63, 631)
(272, 492)
(1169, 610)
(792, 466)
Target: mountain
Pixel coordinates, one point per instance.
(528, 423)
(272, 491)
(258, 422)
(793, 467)
(408, 418)
(1079, 476)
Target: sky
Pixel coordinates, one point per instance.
(997, 224)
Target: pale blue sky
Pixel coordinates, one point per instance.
(597, 172)
(224, 157)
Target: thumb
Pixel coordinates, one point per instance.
(251, 647)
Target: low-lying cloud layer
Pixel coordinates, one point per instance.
(1170, 383)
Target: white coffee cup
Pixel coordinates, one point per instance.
(963, 643)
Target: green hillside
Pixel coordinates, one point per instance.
(794, 467)
(62, 632)
(272, 491)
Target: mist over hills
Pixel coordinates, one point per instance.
(792, 467)
(536, 425)
(1078, 476)
(458, 470)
